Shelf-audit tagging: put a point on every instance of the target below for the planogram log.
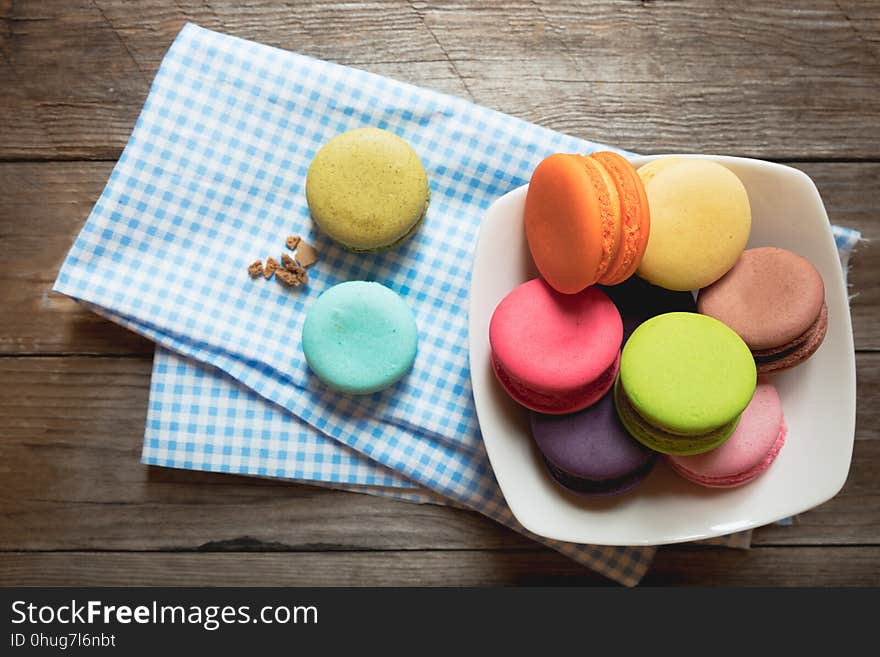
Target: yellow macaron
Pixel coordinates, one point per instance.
(700, 222)
(367, 189)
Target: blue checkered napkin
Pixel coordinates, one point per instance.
(199, 418)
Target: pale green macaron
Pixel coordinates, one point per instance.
(685, 379)
(359, 337)
(367, 189)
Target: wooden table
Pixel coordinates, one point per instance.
(799, 85)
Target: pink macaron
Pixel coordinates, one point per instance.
(555, 353)
(749, 451)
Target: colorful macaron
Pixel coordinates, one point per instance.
(586, 220)
(590, 452)
(775, 300)
(367, 189)
(555, 353)
(359, 337)
(684, 381)
(748, 453)
(700, 222)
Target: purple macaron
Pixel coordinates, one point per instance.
(589, 452)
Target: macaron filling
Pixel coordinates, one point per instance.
(808, 343)
(555, 403)
(661, 439)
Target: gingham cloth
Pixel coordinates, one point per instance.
(212, 179)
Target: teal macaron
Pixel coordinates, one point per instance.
(360, 337)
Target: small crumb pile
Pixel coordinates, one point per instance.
(292, 270)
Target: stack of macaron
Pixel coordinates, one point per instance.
(650, 324)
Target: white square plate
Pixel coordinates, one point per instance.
(818, 397)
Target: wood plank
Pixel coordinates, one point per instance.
(42, 209)
(802, 566)
(70, 479)
(393, 568)
(836, 566)
(851, 194)
(43, 206)
(764, 80)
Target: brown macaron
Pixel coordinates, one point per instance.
(775, 300)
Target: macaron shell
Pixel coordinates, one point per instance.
(367, 189)
(590, 444)
(359, 337)
(700, 223)
(635, 217)
(568, 401)
(563, 222)
(739, 479)
(770, 297)
(648, 171)
(554, 343)
(750, 449)
(687, 373)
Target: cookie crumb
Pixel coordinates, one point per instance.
(288, 278)
(288, 263)
(291, 266)
(292, 270)
(306, 254)
(271, 266)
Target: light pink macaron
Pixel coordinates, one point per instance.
(749, 451)
(555, 353)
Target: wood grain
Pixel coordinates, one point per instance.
(763, 80)
(857, 566)
(70, 436)
(44, 204)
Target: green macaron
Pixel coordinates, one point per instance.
(367, 189)
(684, 381)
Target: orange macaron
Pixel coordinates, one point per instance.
(586, 220)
